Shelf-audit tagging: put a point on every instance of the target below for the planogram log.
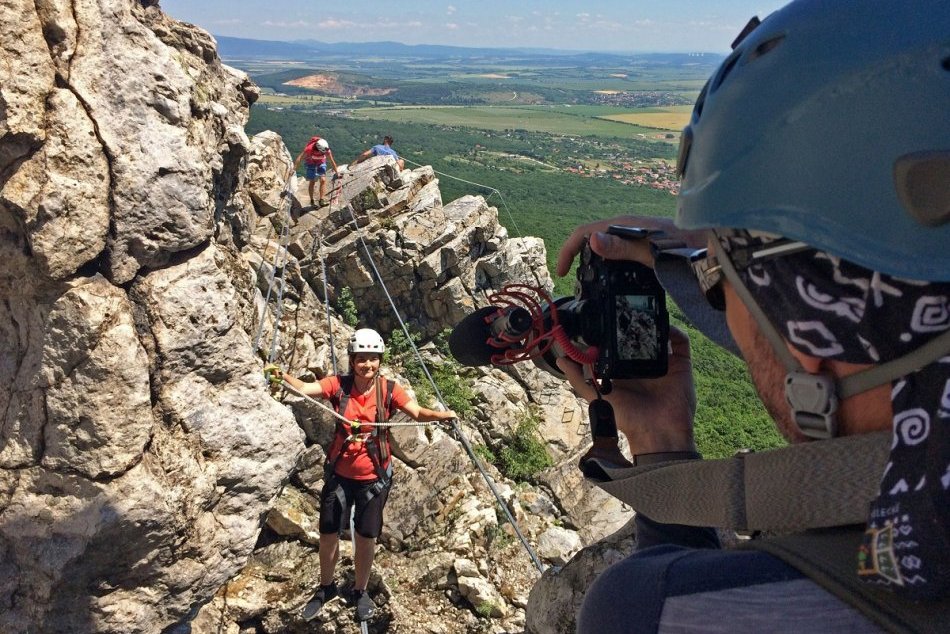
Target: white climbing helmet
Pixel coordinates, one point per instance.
(366, 340)
(322, 145)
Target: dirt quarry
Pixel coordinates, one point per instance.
(332, 85)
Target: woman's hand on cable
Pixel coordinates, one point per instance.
(656, 415)
(273, 374)
(440, 415)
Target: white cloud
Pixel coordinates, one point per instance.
(228, 21)
(299, 24)
(333, 23)
(449, 10)
(381, 24)
(452, 26)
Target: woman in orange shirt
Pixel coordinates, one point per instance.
(359, 464)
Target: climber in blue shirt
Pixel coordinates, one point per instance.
(382, 149)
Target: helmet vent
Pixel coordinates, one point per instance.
(766, 46)
(946, 63)
(750, 26)
(727, 67)
(922, 180)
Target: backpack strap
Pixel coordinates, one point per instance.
(812, 485)
(819, 492)
(340, 401)
(378, 445)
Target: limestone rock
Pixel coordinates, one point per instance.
(295, 515)
(558, 544)
(268, 164)
(139, 450)
(556, 597)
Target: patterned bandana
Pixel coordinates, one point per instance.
(827, 307)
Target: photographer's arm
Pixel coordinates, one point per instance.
(655, 415)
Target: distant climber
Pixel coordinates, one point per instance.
(359, 465)
(382, 149)
(315, 156)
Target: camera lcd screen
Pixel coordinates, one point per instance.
(637, 335)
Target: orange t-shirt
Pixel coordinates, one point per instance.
(354, 462)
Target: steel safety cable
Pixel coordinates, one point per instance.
(279, 261)
(488, 187)
(332, 411)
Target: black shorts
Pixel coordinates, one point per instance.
(339, 494)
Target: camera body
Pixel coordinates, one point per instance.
(618, 306)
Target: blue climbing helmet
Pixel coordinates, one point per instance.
(830, 124)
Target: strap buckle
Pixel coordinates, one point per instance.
(813, 400)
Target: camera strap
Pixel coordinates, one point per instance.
(811, 485)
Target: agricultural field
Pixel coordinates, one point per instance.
(671, 118)
(500, 118)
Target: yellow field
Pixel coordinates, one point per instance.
(672, 118)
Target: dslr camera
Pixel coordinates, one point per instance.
(617, 321)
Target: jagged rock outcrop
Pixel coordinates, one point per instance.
(139, 451)
(148, 481)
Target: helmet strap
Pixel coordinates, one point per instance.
(813, 398)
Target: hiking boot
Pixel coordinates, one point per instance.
(323, 202)
(312, 204)
(321, 596)
(364, 605)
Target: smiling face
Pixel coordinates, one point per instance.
(365, 365)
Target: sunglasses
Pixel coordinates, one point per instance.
(709, 273)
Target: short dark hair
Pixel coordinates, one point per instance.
(387, 139)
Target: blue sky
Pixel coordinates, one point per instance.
(603, 25)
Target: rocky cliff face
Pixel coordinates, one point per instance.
(148, 481)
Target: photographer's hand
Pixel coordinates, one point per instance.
(656, 415)
(616, 248)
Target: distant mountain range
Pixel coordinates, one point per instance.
(306, 50)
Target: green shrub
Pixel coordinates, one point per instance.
(448, 375)
(346, 307)
(524, 455)
(485, 453)
(485, 609)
